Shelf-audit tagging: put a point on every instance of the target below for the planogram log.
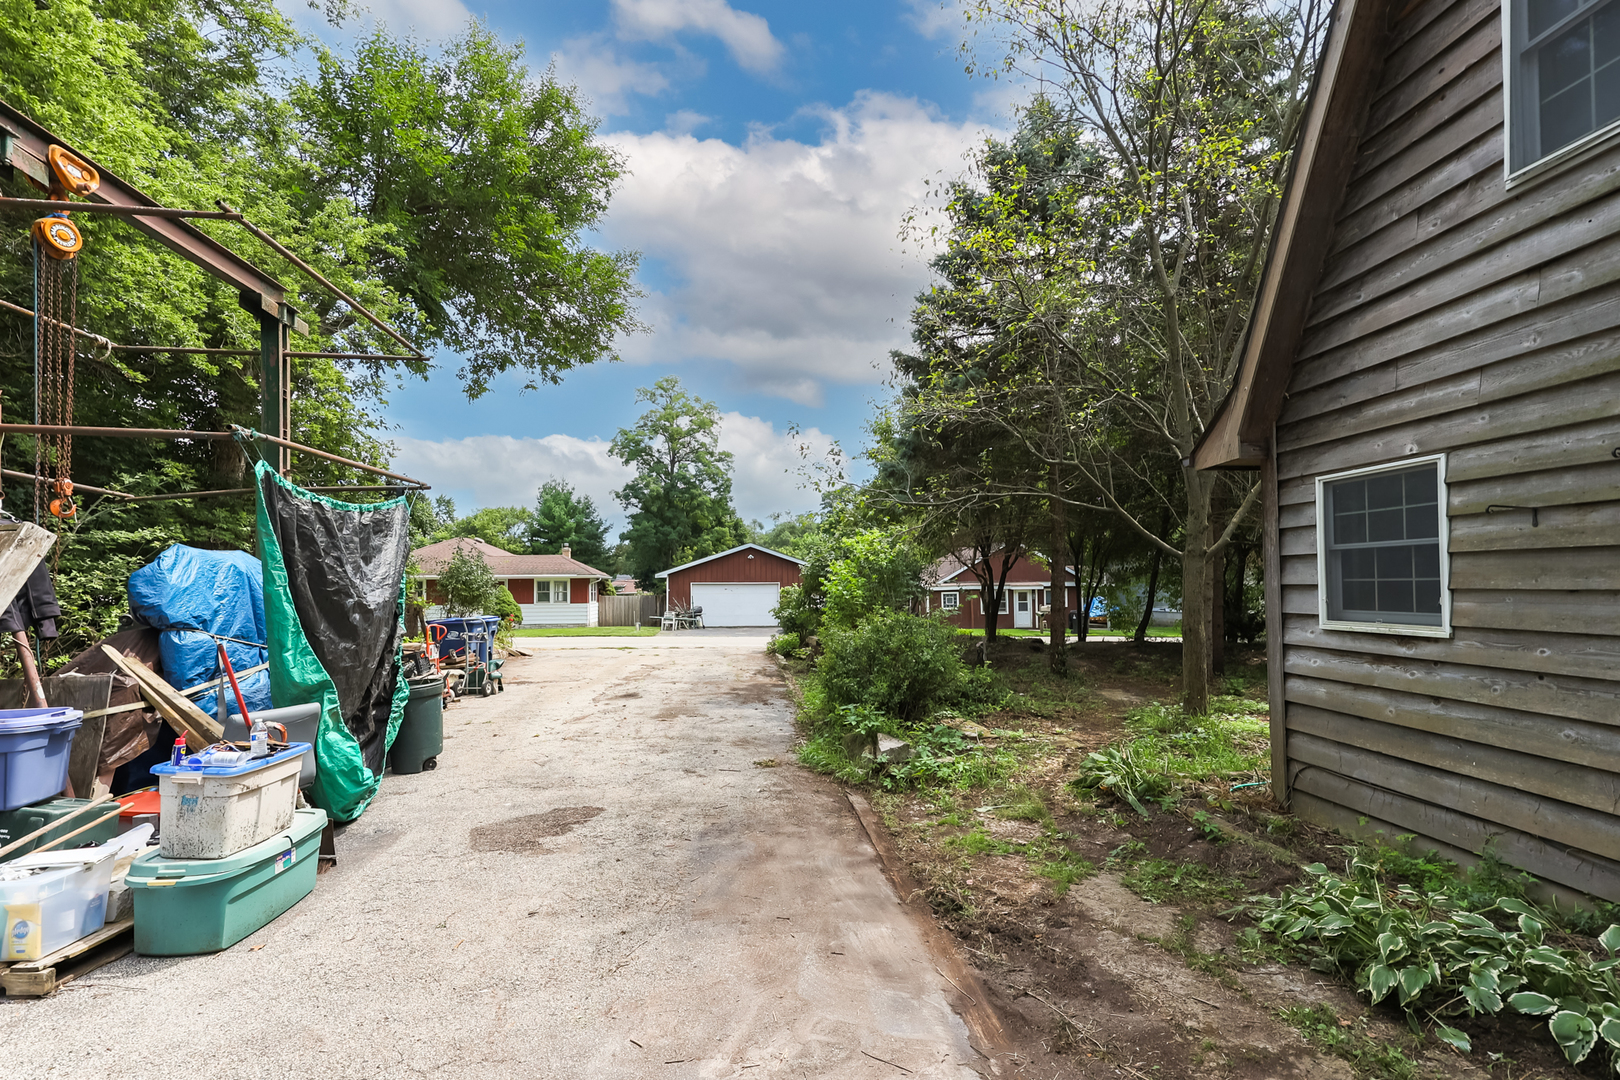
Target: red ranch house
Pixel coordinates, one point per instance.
(552, 590)
(954, 589)
(734, 588)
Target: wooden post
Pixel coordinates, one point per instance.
(275, 390)
(1272, 569)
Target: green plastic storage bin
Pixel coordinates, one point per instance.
(15, 823)
(420, 739)
(189, 906)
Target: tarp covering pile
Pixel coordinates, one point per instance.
(195, 598)
(334, 589)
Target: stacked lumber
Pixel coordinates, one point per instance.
(198, 728)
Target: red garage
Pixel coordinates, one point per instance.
(734, 588)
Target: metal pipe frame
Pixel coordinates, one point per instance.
(237, 432)
(57, 206)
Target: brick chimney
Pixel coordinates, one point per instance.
(567, 552)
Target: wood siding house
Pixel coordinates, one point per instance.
(1430, 390)
(737, 587)
(550, 590)
(953, 589)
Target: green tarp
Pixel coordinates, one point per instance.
(335, 626)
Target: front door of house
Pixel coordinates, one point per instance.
(1023, 610)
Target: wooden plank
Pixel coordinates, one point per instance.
(1594, 789)
(1481, 158)
(1419, 151)
(1595, 612)
(37, 978)
(1298, 541)
(87, 693)
(1549, 448)
(1299, 570)
(1300, 600)
(1579, 870)
(1347, 413)
(1550, 819)
(1584, 655)
(1415, 18)
(1576, 403)
(1483, 38)
(1567, 486)
(1578, 327)
(1566, 568)
(183, 716)
(1579, 742)
(1269, 553)
(22, 545)
(1296, 515)
(1469, 221)
(1409, 53)
(1583, 525)
(1597, 700)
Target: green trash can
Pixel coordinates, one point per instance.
(421, 729)
(21, 822)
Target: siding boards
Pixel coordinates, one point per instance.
(1595, 700)
(1550, 819)
(1593, 612)
(1586, 655)
(1455, 48)
(1594, 789)
(1595, 746)
(1578, 869)
(1583, 525)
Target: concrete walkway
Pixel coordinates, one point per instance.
(600, 880)
(729, 637)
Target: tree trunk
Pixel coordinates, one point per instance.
(1153, 581)
(1195, 597)
(1058, 601)
(1217, 613)
(991, 604)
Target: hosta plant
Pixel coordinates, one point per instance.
(1116, 771)
(1438, 962)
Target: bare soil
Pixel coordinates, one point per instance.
(1100, 982)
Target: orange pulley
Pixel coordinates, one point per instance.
(71, 171)
(62, 506)
(58, 237)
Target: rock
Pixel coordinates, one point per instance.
(892, 750)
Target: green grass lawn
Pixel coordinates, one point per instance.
(1096, 631)
(586, 631)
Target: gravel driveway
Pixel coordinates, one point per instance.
(599, 880)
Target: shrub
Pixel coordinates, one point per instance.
(795, 614)
(467, 584)
(904, 665)
(785, 644)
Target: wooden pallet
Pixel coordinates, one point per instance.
(37, 978)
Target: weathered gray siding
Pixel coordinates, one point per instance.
(1456, 316)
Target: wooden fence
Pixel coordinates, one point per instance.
(632, 610)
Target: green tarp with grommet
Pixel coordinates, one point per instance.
(334, 607)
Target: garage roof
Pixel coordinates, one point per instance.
(723, 554)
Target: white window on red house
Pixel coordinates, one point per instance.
(950, 601)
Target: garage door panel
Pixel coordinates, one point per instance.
(738, 604)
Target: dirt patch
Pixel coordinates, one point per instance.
(522, 835)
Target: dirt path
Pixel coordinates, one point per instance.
(598, 880)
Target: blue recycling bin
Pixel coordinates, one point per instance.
(479, 630)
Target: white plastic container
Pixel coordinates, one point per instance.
(50, 899)
(209, 813)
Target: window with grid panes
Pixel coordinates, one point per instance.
(1564, 73)
(1382, 555)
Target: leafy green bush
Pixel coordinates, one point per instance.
(785, 644)
(1116, 771)
(1441, 961)
(903, 664)
(795, 613)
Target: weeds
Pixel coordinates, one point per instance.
(1159, 880)
(1369, 1057)
(1117, 771)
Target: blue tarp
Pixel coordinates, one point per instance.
(190, 594)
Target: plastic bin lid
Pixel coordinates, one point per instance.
(140, 802)
(294, 750)
(13, 720)
(153, 866)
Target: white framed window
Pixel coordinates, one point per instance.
(550, 592)
(1561, 70)
(1006, 602)
(542, 592)
(1381, 562)
(950, 601)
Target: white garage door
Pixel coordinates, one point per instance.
(736, 605)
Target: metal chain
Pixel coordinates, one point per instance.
(57, 315)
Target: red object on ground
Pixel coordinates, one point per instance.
(137, 803)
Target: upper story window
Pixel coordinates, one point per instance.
(1564, 76)
(1381, 555)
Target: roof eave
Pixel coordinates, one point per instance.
(1239, 435)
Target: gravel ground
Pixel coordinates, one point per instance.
(597, 881)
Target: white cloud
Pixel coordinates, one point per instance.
(684, 122)
(936, 18)
(746, 35)
(500, 470)
(784, 254)
(430, 18)
(604, 77)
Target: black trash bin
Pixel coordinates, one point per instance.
(1074, 622)
(421, 729)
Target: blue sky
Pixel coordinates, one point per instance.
(773, 149)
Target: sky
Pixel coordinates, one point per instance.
(773, 150)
